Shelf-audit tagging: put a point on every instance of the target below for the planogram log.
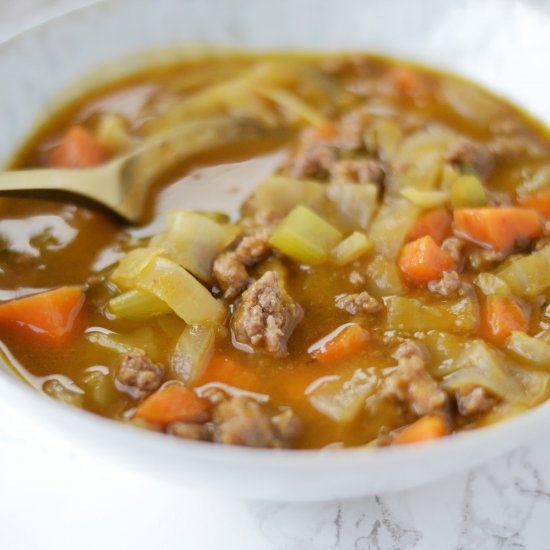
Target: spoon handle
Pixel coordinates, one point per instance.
(72, 181)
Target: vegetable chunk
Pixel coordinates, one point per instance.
(346, 341)
(436, 223)
(501, 228)
(146, 270)
(342, 399)
(351, 248)
(422, 261)
(305, 237)
(502, 315)
(193, 241)
(425, 429)
(52, 314)
(78, 149)
(172, 403)
(528, 277)
(412, 315)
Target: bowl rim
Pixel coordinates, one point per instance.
(59, 415)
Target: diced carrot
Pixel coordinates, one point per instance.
(502, 315)
(78, 149)
(501, 228)
(227, 370)
(422, 261)
(345, 342)
(408, 81)
(436, 223)
(424, 429)
(52, 314)
(540, 202)
(172, 403)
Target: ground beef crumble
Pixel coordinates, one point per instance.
(230, 274)
(138, 374)
(351, 129)
(411, 384)
(454, 246)
(468, 156)
(483, 259)
(327, 157)
(230, 267)
(241, 421)
(474, 402)
(266, 316)
(356, 278)
(357, 171)
(190, 430)
(313, 158)
(362, 302)
(254, 248)
(450, 284)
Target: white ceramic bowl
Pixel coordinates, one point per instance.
(504, 45)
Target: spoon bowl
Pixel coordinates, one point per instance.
(122, 184)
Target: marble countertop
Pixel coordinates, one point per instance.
(55, 498)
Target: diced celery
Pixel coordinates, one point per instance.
(388, 136)
(384, 278)
(112, 132)
(412, 315)
(528, 277)
(148, 338)
(186, 296)
(192, 353)
(531, 350)
(284, 193)
(99, 386)
(192, 241)
(392, 225)
(71, 396)
(355, 203)
(342, 399)
(467, 191)
(132, 264)
(351, 248)
(425, 199)
(480, 365)
(137, 304)
(491, 284)
(305, 237)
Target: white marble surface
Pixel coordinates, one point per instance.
(52, 497)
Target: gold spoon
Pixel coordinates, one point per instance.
(122, 183)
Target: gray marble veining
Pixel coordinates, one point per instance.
(503, 505)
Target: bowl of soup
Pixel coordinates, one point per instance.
(341, 272)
